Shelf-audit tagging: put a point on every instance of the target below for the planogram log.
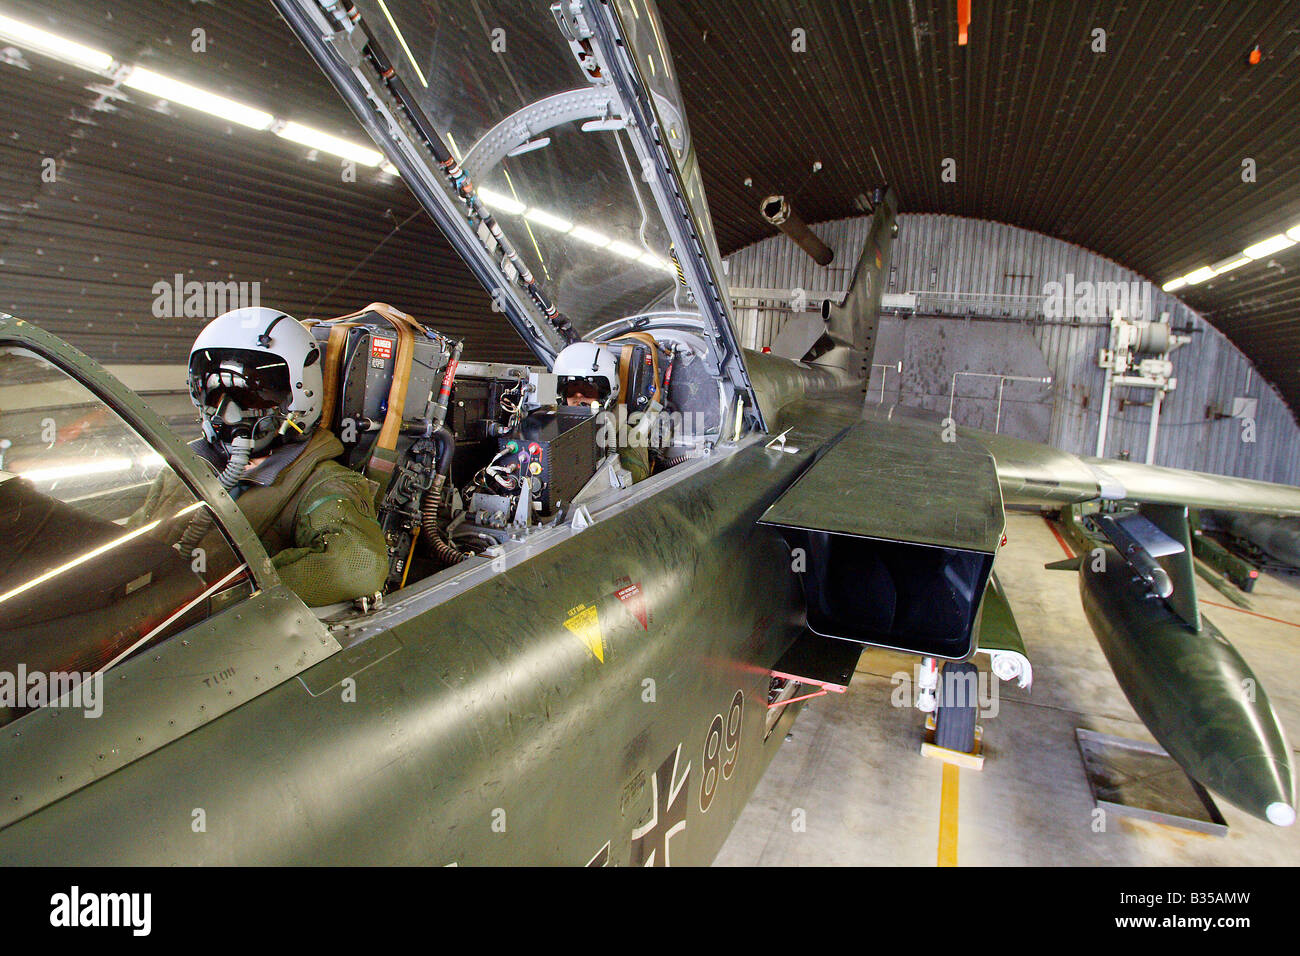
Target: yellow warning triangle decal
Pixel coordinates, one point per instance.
(584, 622)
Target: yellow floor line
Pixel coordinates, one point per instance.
(948, 817)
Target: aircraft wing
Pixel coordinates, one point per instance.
(896, 527)
(1030, 473)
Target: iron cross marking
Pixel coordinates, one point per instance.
(667, 813)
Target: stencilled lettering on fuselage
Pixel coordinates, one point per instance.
(220, 677)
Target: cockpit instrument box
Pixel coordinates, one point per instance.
(558, 451)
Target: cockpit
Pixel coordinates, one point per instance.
(473, 457)
(550, 144)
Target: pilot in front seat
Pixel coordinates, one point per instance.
(255, 377)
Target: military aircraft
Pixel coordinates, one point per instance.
(568, 666)
(1275, 538)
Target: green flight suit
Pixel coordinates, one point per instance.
(315, 518)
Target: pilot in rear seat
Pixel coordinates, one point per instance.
(587, 374)
(255, 376)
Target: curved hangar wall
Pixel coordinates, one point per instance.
(983, 290)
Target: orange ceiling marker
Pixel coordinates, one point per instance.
(1255, 55)
(963, 21)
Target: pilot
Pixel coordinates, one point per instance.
(587, 374)
(581, 391)
(255, 377)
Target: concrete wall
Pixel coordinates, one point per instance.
(980, 288)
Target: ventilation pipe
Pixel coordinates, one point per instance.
(777, 212)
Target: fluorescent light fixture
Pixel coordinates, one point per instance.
(499, 202)
(94, 553)
(182, 94)
(455, 150)
(53, 46)
(1228, 264)
(1200, 275)
(544, 218)
(315, 139)
(590, 236)
(1173, 284)
(624, 249)
(104, 466)
(1294, 232)
(1269, 246)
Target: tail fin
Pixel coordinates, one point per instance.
(854, 322)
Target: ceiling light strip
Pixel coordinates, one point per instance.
(178, 92)
(1260, 250)
(192, 97)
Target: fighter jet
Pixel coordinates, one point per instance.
(616, 572)
(1275, 538)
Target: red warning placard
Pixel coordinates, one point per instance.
(634, 601)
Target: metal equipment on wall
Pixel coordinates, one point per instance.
(952, 271)
(1138, 357)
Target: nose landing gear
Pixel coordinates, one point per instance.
(952, 734)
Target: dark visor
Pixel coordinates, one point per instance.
(250, 379)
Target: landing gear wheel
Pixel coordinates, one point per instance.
(954, 724)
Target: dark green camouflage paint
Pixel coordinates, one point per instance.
(1193, 690)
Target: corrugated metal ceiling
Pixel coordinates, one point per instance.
(142, 195)
(1135, 153)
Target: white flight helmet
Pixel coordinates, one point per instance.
(256, 372)
(591, 363)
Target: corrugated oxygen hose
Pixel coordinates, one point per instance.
(430, 511)
(241, 450)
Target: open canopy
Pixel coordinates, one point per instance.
(568, 121)
(541, 143)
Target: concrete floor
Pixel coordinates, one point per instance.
(869, 799)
